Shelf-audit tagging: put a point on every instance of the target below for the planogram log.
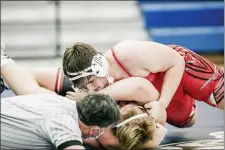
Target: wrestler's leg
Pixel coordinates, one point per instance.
(212, 93)
(182, 113)
(203, 80)
(191, 119)
(18, 79)
(217, 97)
(45, 76)
(52, 78)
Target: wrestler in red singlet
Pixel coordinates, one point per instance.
(201, 80)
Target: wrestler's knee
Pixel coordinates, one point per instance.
(216, 100)
(218, 94)
(191, 122)
(221, 104)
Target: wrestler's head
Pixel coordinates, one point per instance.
(140, 132)
(85, 66)
(97, 111)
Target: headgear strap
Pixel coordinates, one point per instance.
(130, 119)
(99, 67)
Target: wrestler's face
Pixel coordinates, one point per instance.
(109, 140)
(160, 131)
(95, 132)
(159, 134)
(96, 83)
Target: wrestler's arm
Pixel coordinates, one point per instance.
(154, 57)
(135, 89)
(20, 80)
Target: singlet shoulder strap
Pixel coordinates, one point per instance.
(120, 64)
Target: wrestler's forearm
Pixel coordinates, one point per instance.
(20, 80)
(171, 82)
(163, 117)
(135, 89)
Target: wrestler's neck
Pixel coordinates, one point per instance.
(114, 70)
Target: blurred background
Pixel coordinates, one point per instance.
(37, 32)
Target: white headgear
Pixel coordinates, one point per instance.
(99, 67)
(130, 119)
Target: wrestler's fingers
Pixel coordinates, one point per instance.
(71, 93)
(75, 89)
(148, 105)
(70, 97)
(149, 112)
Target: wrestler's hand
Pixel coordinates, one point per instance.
(76, 95)
(153, 109)
(157, 111)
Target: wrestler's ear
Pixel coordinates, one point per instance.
(94, 131)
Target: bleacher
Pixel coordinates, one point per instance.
(198, 25)
(28, 27)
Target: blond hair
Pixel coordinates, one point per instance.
(137, 132)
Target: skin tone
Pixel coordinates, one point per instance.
(135, 89)
(146, 54)
(109, 141)
(8, 74)
(24, 83)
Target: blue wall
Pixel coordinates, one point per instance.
(196, 25)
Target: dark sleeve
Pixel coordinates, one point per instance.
(68, 144)
(63, 84)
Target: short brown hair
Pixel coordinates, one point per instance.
(137, 132)
(76, 58)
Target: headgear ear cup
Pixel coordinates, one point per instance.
(100, 66)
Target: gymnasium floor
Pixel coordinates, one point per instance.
(207, 133)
